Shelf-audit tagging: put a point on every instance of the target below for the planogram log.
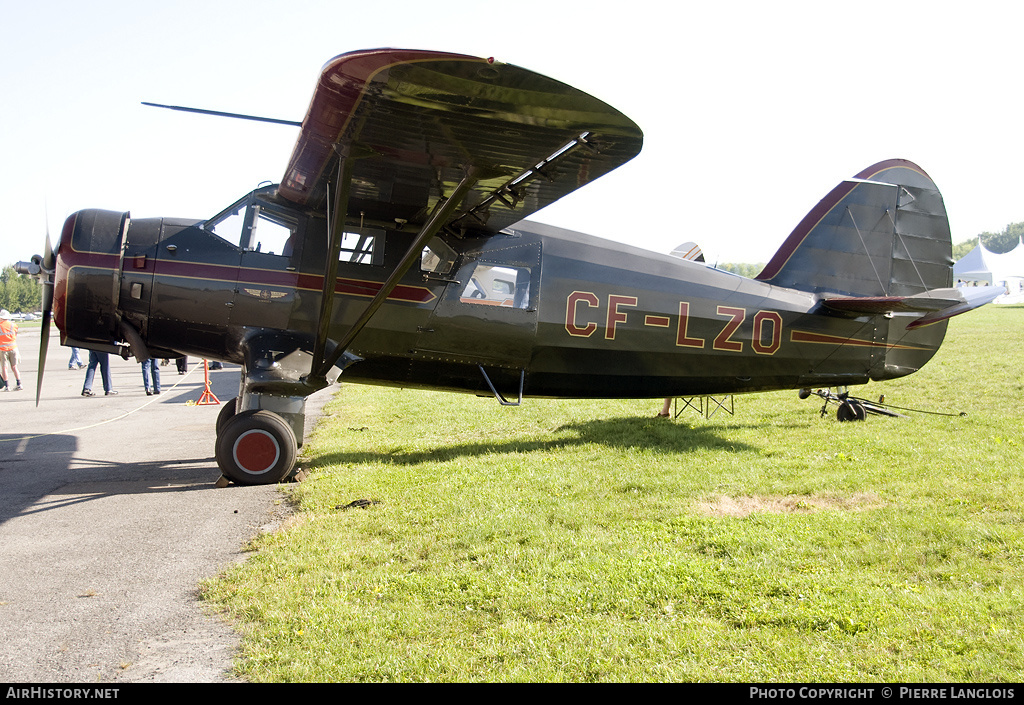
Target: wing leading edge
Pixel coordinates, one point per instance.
(413, 123)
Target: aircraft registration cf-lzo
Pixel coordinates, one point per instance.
(394, 251)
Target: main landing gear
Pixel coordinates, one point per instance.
(254, 447)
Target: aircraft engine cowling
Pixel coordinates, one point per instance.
(87, 279)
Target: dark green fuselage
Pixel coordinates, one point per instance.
(568, 314)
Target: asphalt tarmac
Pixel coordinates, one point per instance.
(109, 520)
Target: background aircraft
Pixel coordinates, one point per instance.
(394, 251)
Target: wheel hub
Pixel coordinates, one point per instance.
(256, 451)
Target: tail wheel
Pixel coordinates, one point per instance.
(256, 447)
(851, 410)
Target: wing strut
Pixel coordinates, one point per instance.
(336, 223)
(445, 208)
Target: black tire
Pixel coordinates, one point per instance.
(256, 447)
(228, 410)
(851, 410)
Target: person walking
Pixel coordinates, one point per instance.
(9, 354)
(75, 363)
(102, 360)
(151, 371)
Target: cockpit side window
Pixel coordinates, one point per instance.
(273, 233)
(496, 285)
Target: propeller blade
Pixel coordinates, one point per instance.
(44, 342)
(48, 266)
(49, 263)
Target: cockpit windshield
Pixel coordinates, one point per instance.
(228, 225)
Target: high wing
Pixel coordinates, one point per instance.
(438, 142)
(415, 122)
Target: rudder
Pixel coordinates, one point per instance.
(882, 233)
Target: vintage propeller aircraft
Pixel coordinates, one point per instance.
(394, 251)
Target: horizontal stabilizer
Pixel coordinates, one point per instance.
(690, 251)
(973, 297)
(936, 304)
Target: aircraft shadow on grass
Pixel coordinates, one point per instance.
(658, 435)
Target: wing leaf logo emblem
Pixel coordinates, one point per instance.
(264, 294)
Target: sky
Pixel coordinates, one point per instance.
(751, 111)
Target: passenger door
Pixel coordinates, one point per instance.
(487, 313)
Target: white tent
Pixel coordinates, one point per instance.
(983, 267)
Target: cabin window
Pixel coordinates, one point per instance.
(496, 285)
(362, 246)
(437, 257)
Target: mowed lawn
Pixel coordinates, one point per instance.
(590, 541)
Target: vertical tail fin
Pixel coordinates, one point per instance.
(879, 245)
(882, 233)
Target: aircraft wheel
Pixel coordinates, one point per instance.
(256, 447)
(851, 410)
(227, 411)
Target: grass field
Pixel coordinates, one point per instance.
(590, 541)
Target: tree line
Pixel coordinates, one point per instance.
(996, 242)
(19, 293)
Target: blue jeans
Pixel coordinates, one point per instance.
(151, 369)
(103, 360)
(75, 360)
